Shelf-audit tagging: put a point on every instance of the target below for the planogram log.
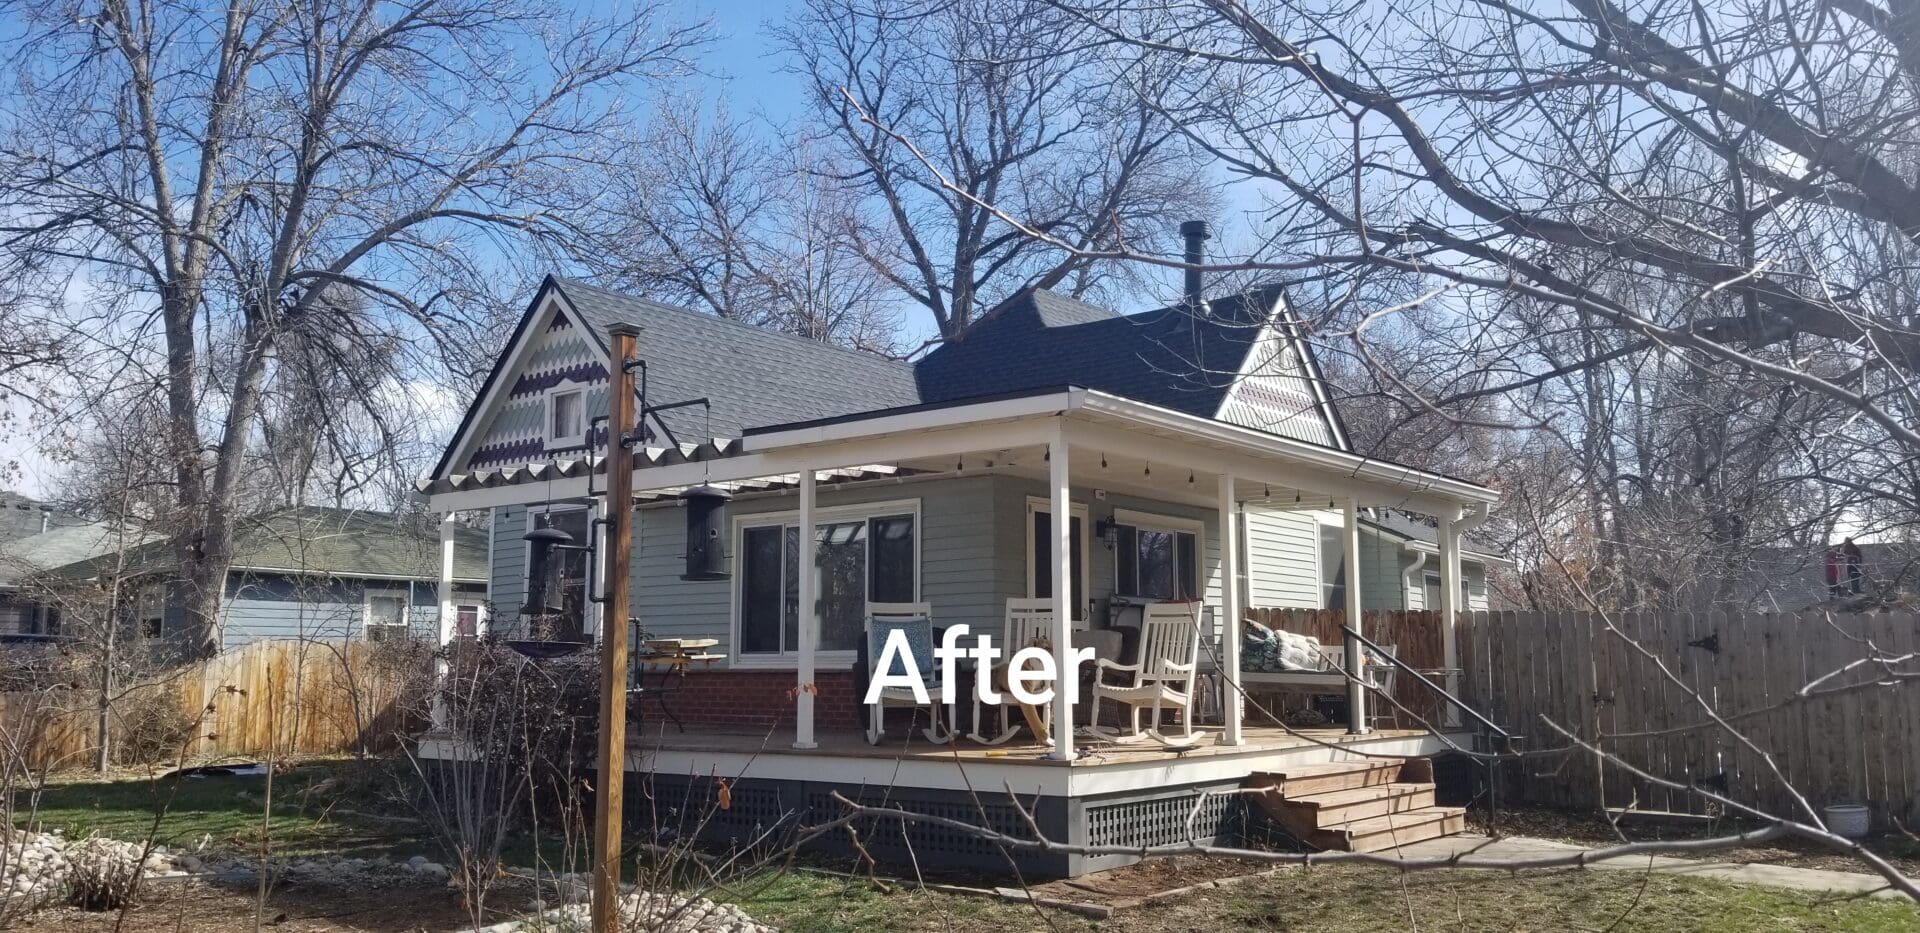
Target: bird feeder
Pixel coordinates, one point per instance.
(706, 542)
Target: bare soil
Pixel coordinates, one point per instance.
(176, 906)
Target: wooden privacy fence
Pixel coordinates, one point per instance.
(266, 698)
(1416, 638)
(1626, 683)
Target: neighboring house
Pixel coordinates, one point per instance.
(1158, 435)
(29, 566)
(21, 516)
(305, 572)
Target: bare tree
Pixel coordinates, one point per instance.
(995, 91)
(723, 215)
(222, 178)
(1673, 239)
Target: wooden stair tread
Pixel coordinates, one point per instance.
(1352, 795)
(1323, 769)
(1404, 820)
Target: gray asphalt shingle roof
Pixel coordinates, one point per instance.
(308, 539)
(63, 547)
(753, 376)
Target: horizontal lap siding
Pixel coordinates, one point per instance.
(508, 583)
(959, 559)
(1283, 559)
(262, 607)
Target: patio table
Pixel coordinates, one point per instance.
(673, 657)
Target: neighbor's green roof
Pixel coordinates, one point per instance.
(314, 540)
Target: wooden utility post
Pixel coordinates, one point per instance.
(612, 764)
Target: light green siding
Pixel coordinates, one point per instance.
(1283, 559)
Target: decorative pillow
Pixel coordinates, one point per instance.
(1298, 652)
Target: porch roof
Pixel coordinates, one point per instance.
(929, 438)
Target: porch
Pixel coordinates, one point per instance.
(1129, 796)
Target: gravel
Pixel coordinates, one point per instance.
(36, 869)
(644, 910)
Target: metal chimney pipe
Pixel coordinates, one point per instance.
(1195, 233)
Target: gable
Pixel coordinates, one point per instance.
(558, 354)
(1279, 390)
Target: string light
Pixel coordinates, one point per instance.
(1148, 472)
(1189, 477)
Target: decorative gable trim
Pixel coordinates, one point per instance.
(1280, 381)
(509, 379)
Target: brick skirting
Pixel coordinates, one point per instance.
(754, 700)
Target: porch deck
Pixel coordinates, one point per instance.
(846, 759)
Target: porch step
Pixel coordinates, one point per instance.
(1358, 806)
(1394, 829)
(1346, 806)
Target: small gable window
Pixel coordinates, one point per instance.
(566, 416)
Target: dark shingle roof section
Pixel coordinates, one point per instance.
(753, 376)
(1171, 357)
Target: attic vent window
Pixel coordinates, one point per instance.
(566, 417)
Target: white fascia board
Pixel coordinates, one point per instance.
(931, 419)
(1300, 451)
(1473, 557)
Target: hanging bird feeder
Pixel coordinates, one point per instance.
(706, 506)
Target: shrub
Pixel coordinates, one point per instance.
(151, 729)
(102, 874)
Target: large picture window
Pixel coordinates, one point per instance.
(860, 559)
(1157, 559)
(1040, 555)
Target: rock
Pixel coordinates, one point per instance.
(416, 861)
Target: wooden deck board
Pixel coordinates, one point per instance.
(854, 745)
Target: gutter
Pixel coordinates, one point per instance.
(1407, 574)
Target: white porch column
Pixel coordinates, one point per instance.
(809, 619)
(1450, 605)
(1356, 664)
(1066, 686)
(447, 616)
(1231, 708)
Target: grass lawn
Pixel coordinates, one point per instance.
(1337, 898)
(225, 810)
(1354, 898)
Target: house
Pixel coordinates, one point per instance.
(1160, 435)
(304, 572)
(21, 516)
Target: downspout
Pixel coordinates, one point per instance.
(1472, 517)
(1406, 579)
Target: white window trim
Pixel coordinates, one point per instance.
(788, 660)
(479, 618)
(369, 594)
(1035, 505)
(1320, 524)
(564, 387)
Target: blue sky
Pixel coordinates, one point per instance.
(747, 61)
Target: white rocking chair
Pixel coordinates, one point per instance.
(1029, 622)
(916, 620)
(1163, 676)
